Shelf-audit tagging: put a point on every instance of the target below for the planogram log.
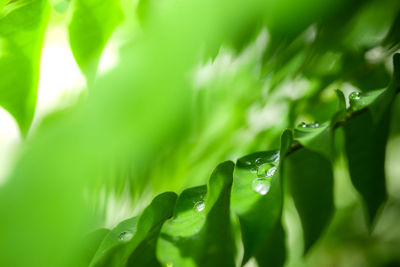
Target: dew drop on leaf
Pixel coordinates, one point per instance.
(125, 236)
(266, 170)
(356, 101)
(354, 96)
(302, 125)
(311, 125)
(261, 185)
(199, 206)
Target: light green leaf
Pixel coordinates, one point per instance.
(134, 240)
(22, 26)
(91, 24)
(200, 233)
(311, 185)
(257, 200)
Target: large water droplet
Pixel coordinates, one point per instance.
(199, 206)
(125, 236)
(261, 185)
(356, 101)
(169, 264)
(266, 170)
(354, 96)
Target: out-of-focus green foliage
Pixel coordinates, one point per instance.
(198, 83)
(91, 24)
(22, 26)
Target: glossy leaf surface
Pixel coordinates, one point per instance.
(200, 233)
(257, 199)
(133, 240)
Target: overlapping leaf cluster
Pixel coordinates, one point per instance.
(200, 227)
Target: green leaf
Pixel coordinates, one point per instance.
(366, 137)
(311, 185)
(134, 240)
(273, 250)
(257, 200)
(22, 27)
(3, 3)
(316, 137)
(200, 233)
(365, 150)
(88, 247)
(91, 25)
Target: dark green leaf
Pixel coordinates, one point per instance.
(91, 25)
(365, 149)
(311, 185)
(366, 137)
(200, 233)
(135, 239)
(22, 26)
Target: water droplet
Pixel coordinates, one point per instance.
(311, 125)
(356, 100)
(169, 264)
(314, 125)
(199, 206)
(302, 125)
(266, 170)
(261, 185)
(253, 169)
(354, 96)
(125, 236)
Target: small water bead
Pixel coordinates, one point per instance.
(125, 236)
(302, 125)
(199, 206)
(311, 125)
(314, 125)
(169, 264)
(261, 185)
(266, 170)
